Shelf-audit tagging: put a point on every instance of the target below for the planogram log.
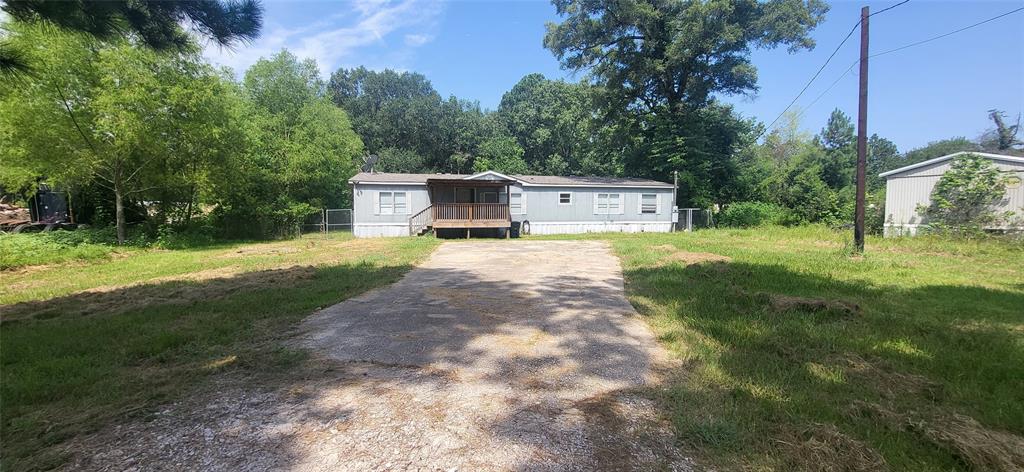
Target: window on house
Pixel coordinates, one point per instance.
(648, 203)
(401, 206)
(608, 204)
(565, 198)
(515, 203)
(393, 203)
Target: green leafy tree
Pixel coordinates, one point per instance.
(552, 121)
(963, 200)
(128, 119)
(303, 152)
(501, 154)
(935, 149)
(660, 65)
(400, 160)
(675, 54)
(154, 23)
(838, 140)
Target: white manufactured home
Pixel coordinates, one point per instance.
(386, 204)
(910, 187)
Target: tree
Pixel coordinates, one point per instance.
(400, 160)
(963, 199)
(154, 23)
(935, 149)
(130, 120)
(1004, 137)
(659, 65)
(882, 156)
(303, 152)
(501, 154)
(552, 121)
(675, 53)
(838, 140)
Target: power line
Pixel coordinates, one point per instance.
(816, 74)
(888, 8)
(918, 43)
(841, 76)
(947, 34)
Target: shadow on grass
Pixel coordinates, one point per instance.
(207, 373)
(764, 380)
(77, 363)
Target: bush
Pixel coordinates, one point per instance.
(749, 214)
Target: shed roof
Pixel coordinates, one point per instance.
(1001, 157)
(527, 180)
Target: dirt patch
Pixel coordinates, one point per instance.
(823, 447)
(977, 447)
(780, 303)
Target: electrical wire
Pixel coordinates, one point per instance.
(889, 51)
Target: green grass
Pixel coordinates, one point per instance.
(19, 250)
(939, 332)
(86, 343)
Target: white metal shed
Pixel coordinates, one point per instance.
(908, 187)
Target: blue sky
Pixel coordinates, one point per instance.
(479, 49)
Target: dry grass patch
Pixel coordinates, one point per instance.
(822, 447)
(977, 447)
(780, 303)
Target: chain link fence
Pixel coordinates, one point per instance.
(694, 218)
(329, 221)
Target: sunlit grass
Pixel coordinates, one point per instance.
(939, 331)
(83, 344)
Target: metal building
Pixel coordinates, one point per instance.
(910, 187)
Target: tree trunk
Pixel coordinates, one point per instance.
(119, 213)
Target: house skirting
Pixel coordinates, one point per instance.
(377, 230)
(578, 227)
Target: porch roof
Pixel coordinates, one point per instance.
(470, 183)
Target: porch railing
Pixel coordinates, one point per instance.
(471, 212)
(420, 221)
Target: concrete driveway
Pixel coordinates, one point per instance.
(542, 359)
(492, 355)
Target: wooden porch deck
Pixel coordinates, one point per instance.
(470, 215)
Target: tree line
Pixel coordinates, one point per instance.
(163, 140)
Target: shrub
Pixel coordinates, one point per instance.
(963, 202)
(749, 214)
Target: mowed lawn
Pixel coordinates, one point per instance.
(86, 344)
(793, 354)
(796, 355)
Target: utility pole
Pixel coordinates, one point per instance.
(862, 134)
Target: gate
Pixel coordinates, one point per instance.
(329, 220)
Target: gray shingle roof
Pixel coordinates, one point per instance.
(526, 179)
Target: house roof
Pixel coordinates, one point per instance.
(1001, 157)
(526, 180)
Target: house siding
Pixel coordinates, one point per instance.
(542, 209)
(906, 191)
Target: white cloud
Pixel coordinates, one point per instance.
(416, 40)
(339, 39)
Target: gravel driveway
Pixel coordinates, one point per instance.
(492, 355)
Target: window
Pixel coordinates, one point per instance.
(392, 203)
(565, 198)
(608, 204)
(515, 203)
(649, 203)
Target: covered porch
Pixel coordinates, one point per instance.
(469, 204)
